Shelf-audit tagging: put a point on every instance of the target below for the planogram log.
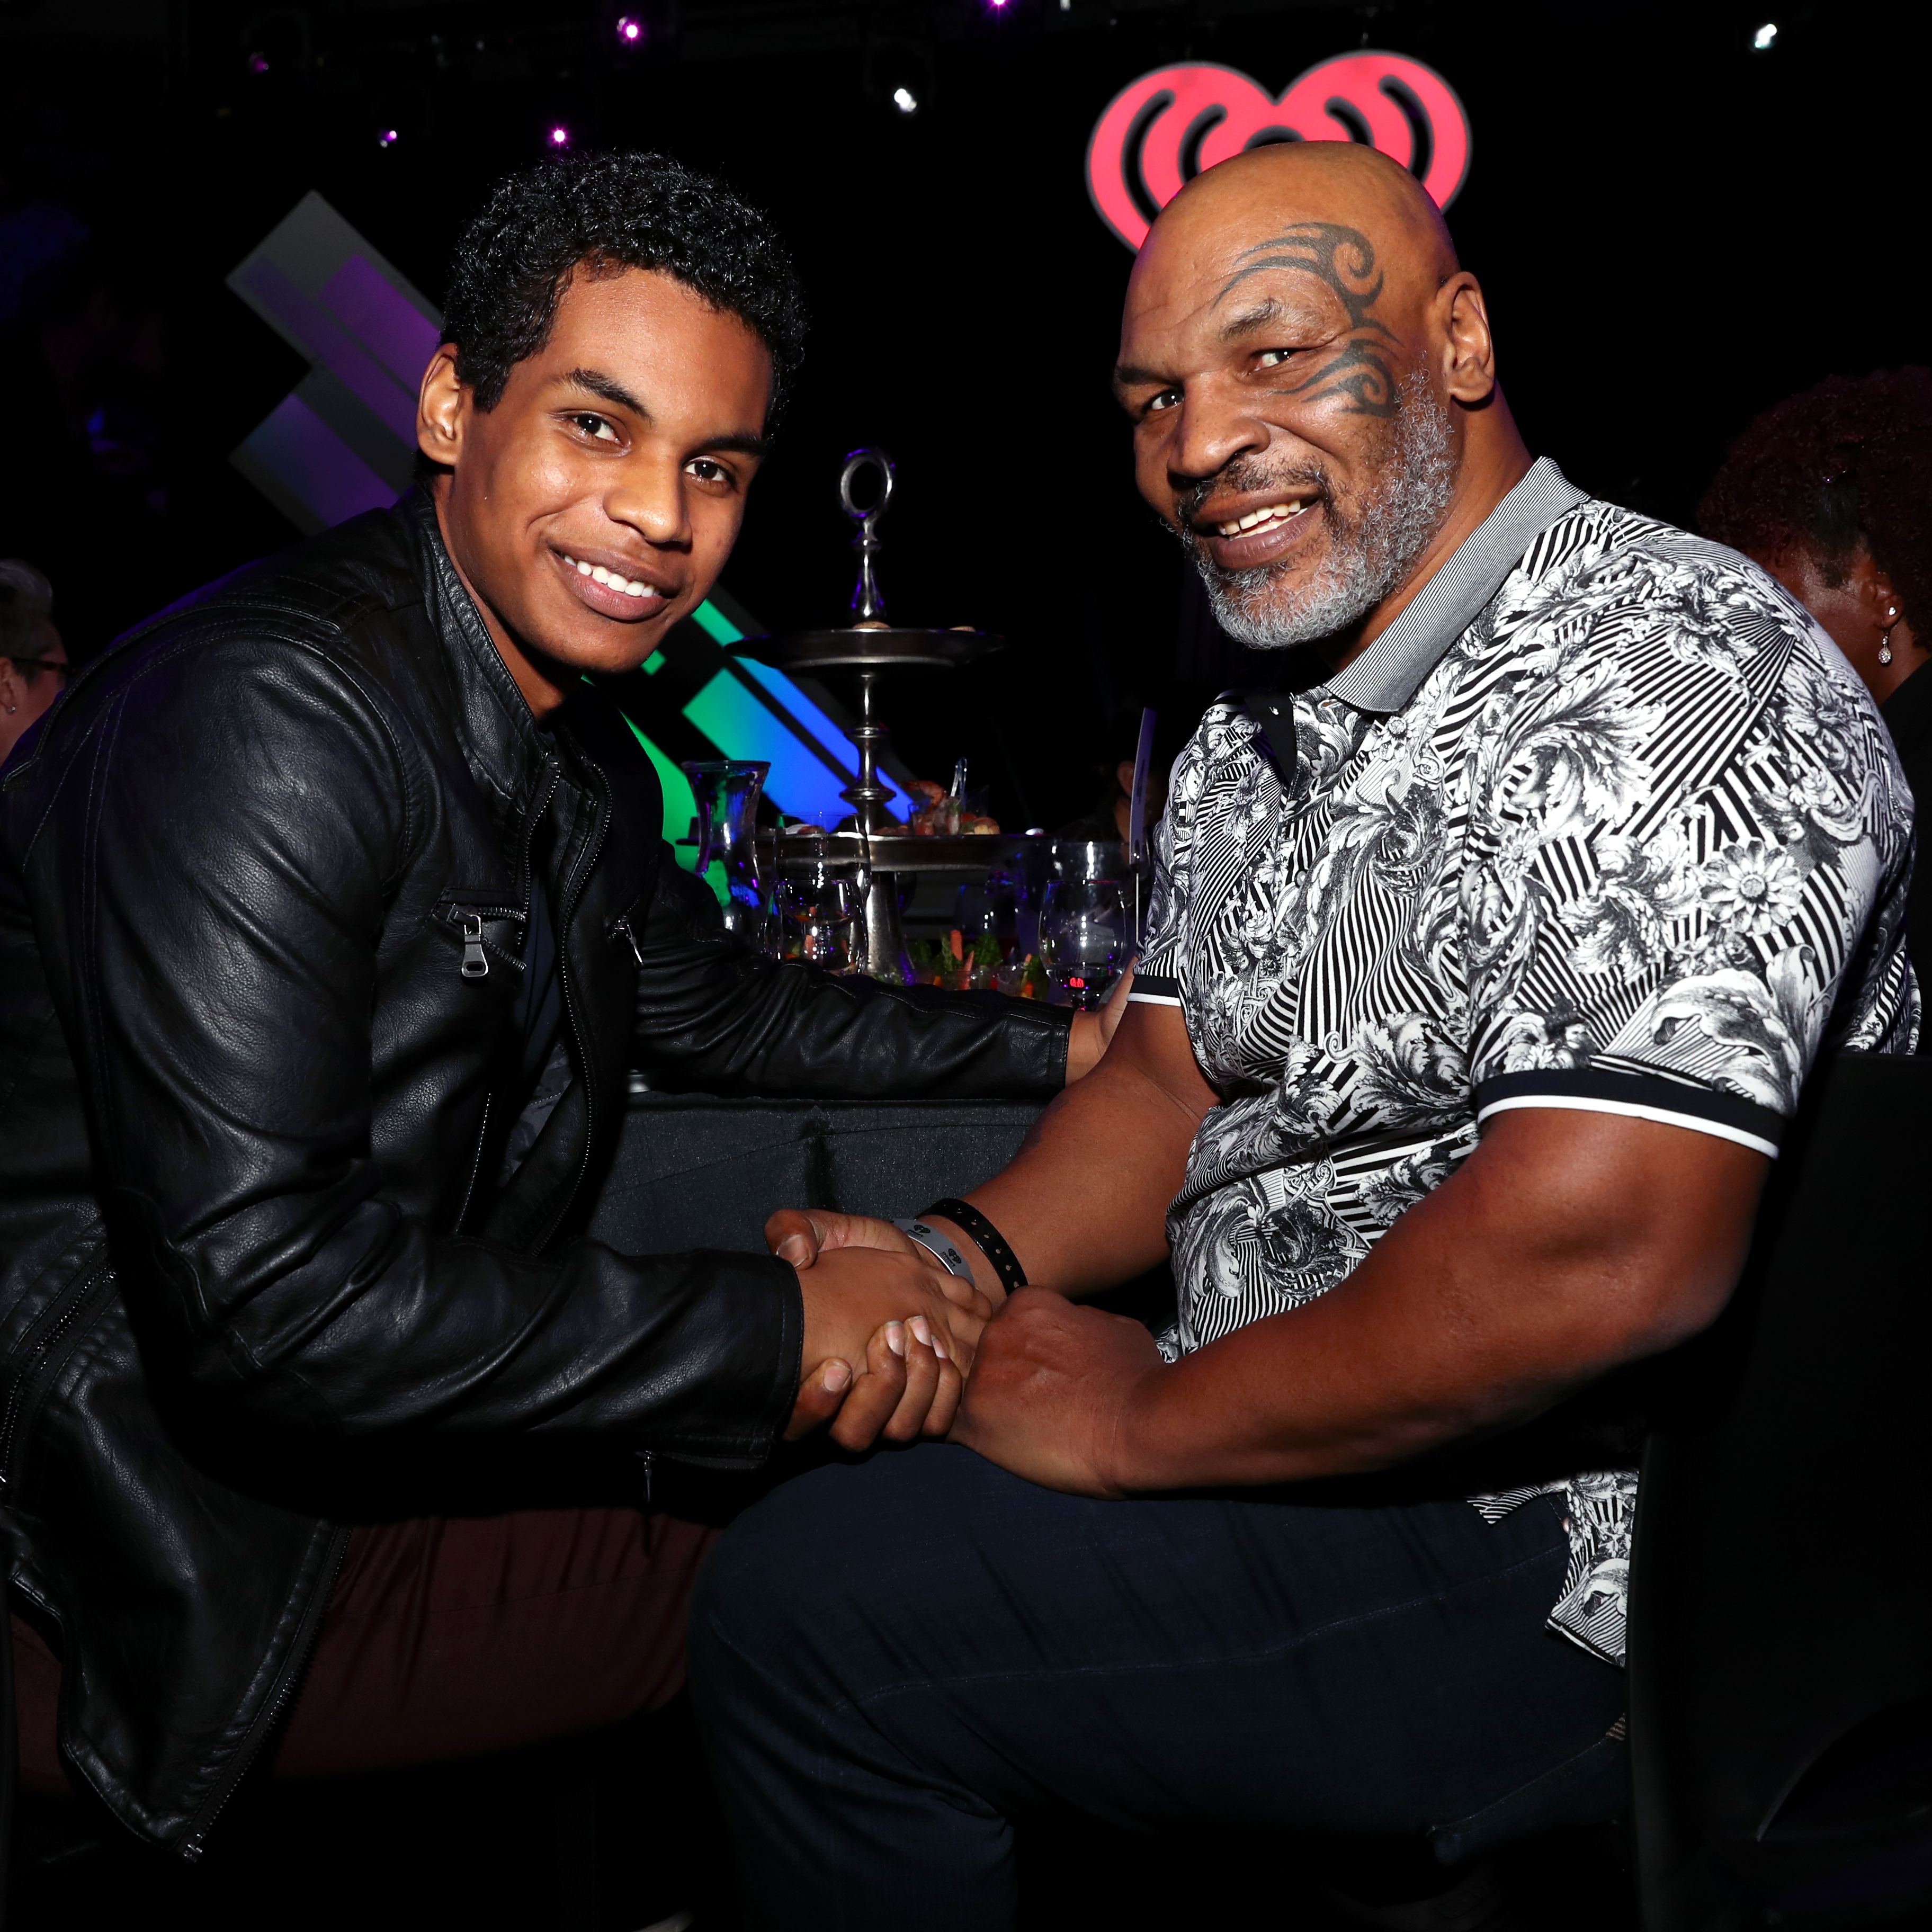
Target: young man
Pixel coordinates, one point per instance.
(1489, 952)
(335, 907)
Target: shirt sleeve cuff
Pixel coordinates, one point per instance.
(1153, 989)
(1640, 1097)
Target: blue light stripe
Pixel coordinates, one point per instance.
(815, 730)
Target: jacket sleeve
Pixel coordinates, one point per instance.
(212, 883)
(715, 1016)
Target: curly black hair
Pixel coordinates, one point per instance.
(1847, 461)
(603, 214)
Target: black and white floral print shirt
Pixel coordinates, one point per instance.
(1602, 820)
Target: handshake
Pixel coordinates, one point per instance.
(890, 1335)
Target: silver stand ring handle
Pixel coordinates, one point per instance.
(868, 606)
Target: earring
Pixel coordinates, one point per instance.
(1884, 648)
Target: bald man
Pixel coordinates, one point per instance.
(1489, 948)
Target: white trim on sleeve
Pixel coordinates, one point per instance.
(1633, 1110)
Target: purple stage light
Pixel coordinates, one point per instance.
(258, 63)
(630, 31)
(387, 139)
(559, 137)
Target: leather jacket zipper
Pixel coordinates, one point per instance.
(620, 929)
(470, 920)
(39, 1347)
(567, 905)
(476, 961)
(475, 1165)
(288, 1680)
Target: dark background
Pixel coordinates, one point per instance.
(1673, 230)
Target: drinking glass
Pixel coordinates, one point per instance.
(726, 792)
(819, 920)
(991, 906)
(1083, 937)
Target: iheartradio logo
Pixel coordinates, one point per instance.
(1158, 133)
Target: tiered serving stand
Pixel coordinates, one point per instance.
(877, 848)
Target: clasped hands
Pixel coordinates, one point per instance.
(896, 1348)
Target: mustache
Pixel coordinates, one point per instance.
(1241, 478)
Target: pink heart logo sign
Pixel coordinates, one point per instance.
(1159, 133)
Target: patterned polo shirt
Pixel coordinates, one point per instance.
(1602, 820)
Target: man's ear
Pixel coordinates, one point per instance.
(442, 409)
(1470, 372)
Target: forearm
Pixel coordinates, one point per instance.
(1319, 1392)
(1080, 1224)
(1567, 1245)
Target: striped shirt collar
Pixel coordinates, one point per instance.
(1384, 677)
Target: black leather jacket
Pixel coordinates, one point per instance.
(257, 1277)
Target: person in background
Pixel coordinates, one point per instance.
(33, 660)
(1108, 818)
(1830, 491)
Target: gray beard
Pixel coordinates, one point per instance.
(1368, 557)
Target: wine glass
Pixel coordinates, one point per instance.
(1083, 937)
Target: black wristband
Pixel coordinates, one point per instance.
(992, 1243)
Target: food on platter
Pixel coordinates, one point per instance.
(938, 813)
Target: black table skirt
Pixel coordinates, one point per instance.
(694, 1172)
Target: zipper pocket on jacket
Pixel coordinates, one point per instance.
(470, 922)
(40, 1349)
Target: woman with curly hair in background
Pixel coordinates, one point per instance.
(1830, 491)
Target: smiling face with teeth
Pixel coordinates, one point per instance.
(1311, 381)
(595, 505)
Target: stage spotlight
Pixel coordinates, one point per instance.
(1765, 38)
(630, 30)
(899, 74)
(559, 137)
(387, 138)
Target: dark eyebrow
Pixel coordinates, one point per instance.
(613, 391)
(1127, 376)
(1265, 311)
(609, 388)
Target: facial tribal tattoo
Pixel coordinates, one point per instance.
(1343, 260)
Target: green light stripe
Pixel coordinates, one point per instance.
(680, 805)
(715, 624)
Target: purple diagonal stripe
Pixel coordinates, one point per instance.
(372, 307)
(313, 464)
(319, 337)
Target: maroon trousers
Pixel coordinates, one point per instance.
(450, 1638)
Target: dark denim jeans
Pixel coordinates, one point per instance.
(892, 1659)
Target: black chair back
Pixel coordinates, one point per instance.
(1780, 1640)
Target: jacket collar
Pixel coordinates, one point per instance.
(507, 754)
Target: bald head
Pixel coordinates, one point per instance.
(1309, 373)
(1261, 193)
